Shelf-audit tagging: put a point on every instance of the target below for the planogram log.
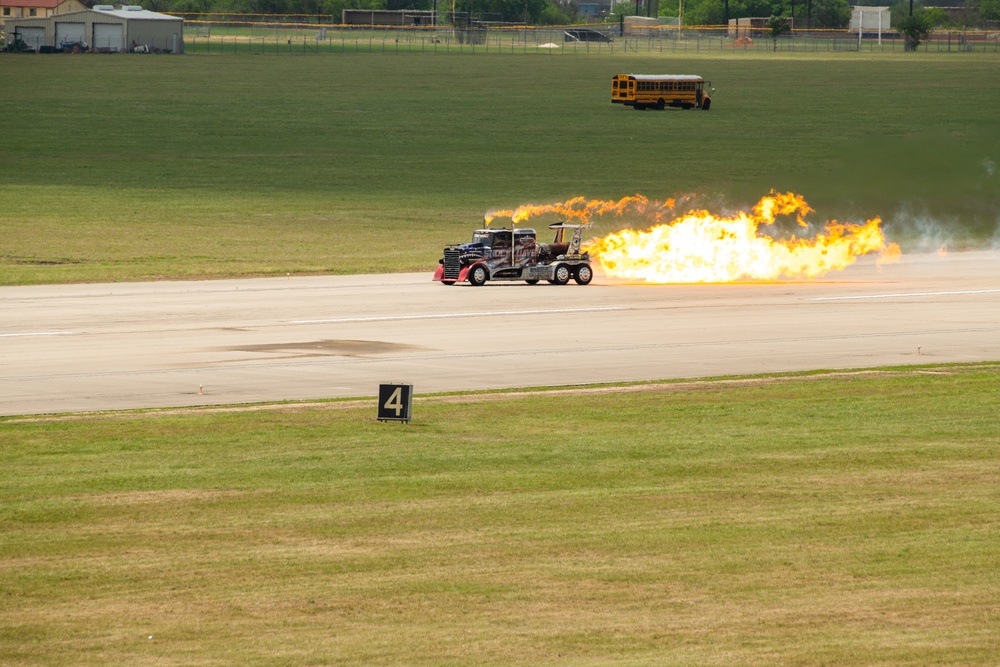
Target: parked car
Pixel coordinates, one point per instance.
(586, 35)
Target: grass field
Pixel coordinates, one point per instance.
(795, 520)
(731, 523)
(128, 168)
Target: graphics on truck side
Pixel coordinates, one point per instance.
(515, 255)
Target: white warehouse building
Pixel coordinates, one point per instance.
(103, 29)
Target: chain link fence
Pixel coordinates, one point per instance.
(289, 37)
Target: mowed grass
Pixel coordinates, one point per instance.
(797, 520)
(133, 168)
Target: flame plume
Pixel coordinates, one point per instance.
(699, 247)
(579, 210)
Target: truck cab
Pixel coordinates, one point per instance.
(515, 254)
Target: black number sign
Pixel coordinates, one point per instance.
(395, 402)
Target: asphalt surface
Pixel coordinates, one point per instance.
(71, 348)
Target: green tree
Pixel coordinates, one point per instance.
(187, 6)
(622, 9)
(554, 14)
(705, 12)
(406, 4)
(754, 8)
(668, 8)
(990, 10)
(776, 27)
(335, 8)
(915, 30)
(831, 13)
(503, 10)
(935, 16)
(900, 10)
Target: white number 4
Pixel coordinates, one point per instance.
(395, 401)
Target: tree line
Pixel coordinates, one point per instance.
(806, 13)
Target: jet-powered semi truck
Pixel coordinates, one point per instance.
(515, 255)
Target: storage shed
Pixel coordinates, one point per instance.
(103, 29)
(388, 17)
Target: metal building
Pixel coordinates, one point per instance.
(381, 17)
(102, 29)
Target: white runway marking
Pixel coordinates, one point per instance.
(396, 318)
(38, 333)
(902, 294)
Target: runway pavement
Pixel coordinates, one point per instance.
(70, 348)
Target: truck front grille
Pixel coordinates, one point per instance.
(452, 264)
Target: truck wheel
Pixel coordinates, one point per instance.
(478, 275)
(584, 274)
(562, 275)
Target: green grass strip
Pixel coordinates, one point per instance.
(817, 519)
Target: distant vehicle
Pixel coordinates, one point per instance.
(17, 45)
(73, 46)
(514, 254)
(658, 91)
(586, 35)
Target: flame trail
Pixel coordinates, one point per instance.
(699, 247)
(579, 209)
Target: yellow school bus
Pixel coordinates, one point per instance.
(658, 91)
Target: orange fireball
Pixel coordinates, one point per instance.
(699, 247)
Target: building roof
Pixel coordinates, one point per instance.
(128, 12)
(133, 12)
(39, 4)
